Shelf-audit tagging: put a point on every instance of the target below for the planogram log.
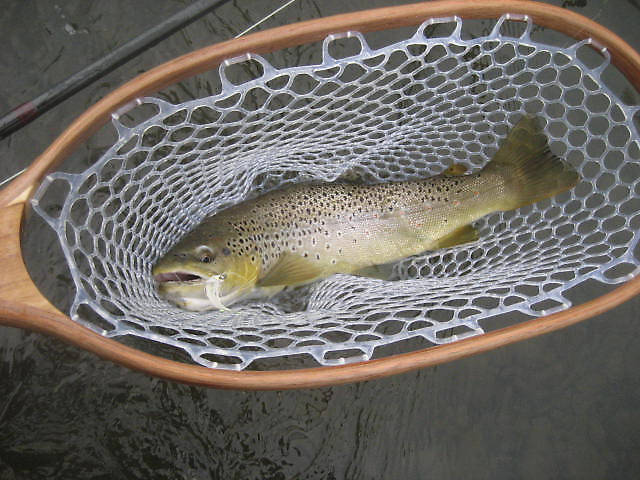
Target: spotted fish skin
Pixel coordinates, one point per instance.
(305, 232)
(342, 227)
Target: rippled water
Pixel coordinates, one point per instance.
(560, 406)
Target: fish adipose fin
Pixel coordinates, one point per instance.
(291, 269)
(355, 174)
(456, 170)
(532, 173)
(459, 236)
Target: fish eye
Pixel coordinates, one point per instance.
(205, 254)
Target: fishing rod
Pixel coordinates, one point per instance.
(25, 113)
(29, 111)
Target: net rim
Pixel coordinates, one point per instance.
(33, 311)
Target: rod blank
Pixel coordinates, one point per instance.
(29, 111)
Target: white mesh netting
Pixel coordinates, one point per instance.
(406, 110)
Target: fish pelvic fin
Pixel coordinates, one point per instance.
(531, 172)
(291, 270)
(464, 234)
(379, 272)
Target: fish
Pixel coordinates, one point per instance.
(309, 231)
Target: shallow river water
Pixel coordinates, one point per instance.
(564, 405)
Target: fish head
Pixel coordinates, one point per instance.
(205, 276)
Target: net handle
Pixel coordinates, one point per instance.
(38, 315)
(23, 306)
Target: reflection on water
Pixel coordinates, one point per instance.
(561, 406)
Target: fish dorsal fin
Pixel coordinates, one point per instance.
(464, 234)
(291, 269)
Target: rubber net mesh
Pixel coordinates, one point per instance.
(404, 111)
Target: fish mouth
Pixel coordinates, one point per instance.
(177, 277)
(196, 292)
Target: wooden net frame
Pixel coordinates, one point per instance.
(23, 306)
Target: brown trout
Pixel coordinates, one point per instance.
(306, 232)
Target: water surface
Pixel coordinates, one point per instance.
(560, 406)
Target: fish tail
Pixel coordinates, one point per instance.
(531, 172)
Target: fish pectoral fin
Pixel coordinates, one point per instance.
(291, 269)
(464, 234)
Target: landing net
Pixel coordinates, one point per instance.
(407, 110)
